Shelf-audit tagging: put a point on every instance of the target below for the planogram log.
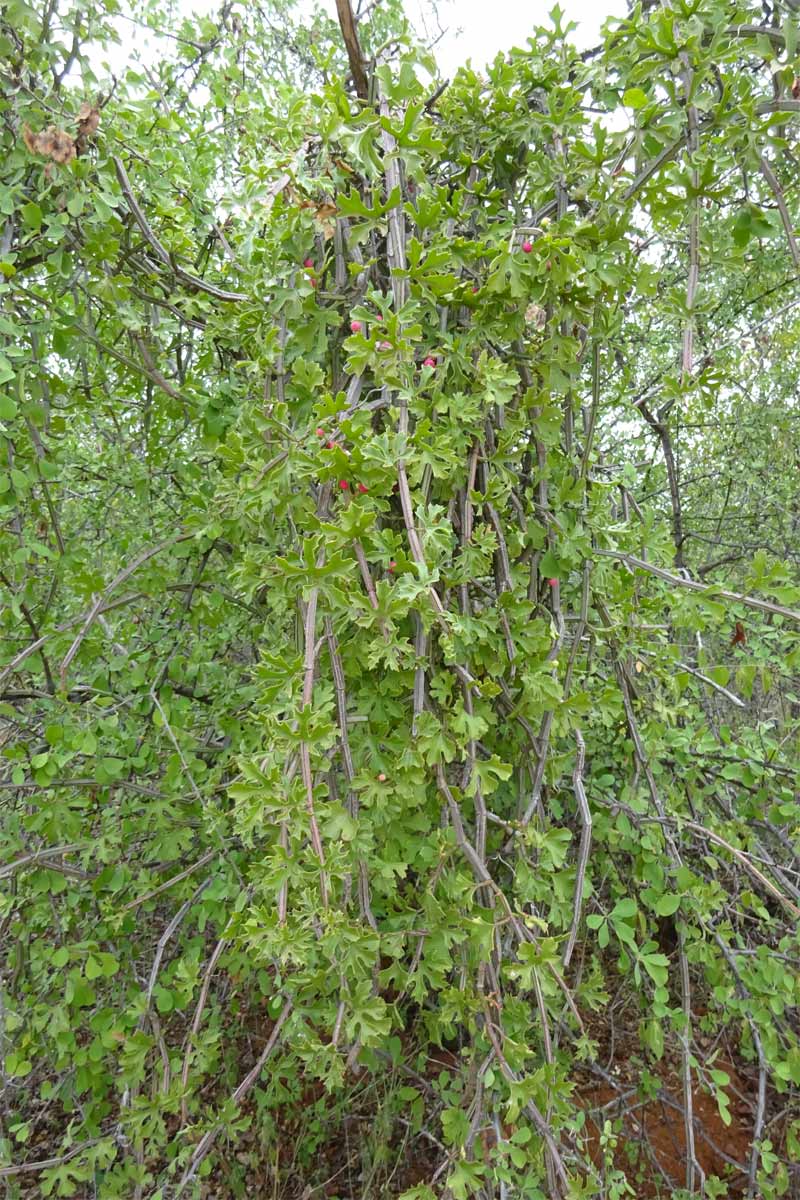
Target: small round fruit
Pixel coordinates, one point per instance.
(320, 432)
(381, 778)
(308, 262)
(527, 247)
(384, 345)
(392, 566)
(344, 485)
(355, 327)
(430, 361)
(362, 487)
(552, 582)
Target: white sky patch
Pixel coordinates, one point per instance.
(466, 30)
(478, 31)
(472, 30)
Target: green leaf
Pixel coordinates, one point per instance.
(18, 1067)
(165, 1001)
(634, 97)
(550, 565)
(667, 905)
(31, 215)
(79, 994)
(656, 966)
(652, 1036)
(625, 909)
(455, 1126)
(723, 1104)
(93, 969)
(624, 932)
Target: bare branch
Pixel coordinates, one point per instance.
(347, 24)
(712, 592)
(167, 259)
(585, 846)
(780, 200)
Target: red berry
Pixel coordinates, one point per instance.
(344, 485)
(355, 327)
(527, 247)
(476, 288)
(429, 361)
(320, 432)
(362, 487)
(553, 582)
(381, 778)
(308, 262)
(392, 565)
(330, 445)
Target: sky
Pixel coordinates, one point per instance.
(473, 30)
(478, 29)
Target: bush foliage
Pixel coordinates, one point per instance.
(399, 540)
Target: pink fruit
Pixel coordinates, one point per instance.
(392, 565)
(362, 487)
(308, 262)
(344, 485)
(320, 432)
(330, 445)
(553, 582)
(381, 778)
(527, 247)
(384, 345)
(476, 288)
(355, 327)
(429, 361)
